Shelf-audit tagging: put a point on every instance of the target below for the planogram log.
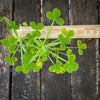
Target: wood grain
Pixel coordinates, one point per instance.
(83, 81)
(26, 87)
(53, 86)
(6, 11)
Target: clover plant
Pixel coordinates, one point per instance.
(35, 51)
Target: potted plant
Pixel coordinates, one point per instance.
(35, 51)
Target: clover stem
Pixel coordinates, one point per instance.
(51, 60)
(15, 52)
(58, 56)
(21, 55)
(48, 32)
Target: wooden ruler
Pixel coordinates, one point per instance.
(81, 31)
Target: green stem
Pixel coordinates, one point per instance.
(51, 60)
(48, 32)
(21, 55)
(15, 52)
(34, 57)
(58, 56)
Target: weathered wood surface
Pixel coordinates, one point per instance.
(53, 86)
(84, 80)
(5, 10)
(26, 87)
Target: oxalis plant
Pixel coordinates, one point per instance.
(35, 51)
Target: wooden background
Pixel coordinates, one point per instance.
(44, 85)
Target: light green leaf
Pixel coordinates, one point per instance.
(24, 24)
(69, 51)
(18, 68)
(12, 23)
(71, 33)
(12, 39)
(17, 27)
(83, 46)
(56, 12)
(8, 27)
(71, 58)
(40, 26)
(64, 31)
(79, 43)
(67, 67)
(38, 34)
(11, 48)
(60, 37)
(62, 46)
(33, 25)
(1, 19)
(5, 42)
(49, 15)
(52, 68)
(7, 58)
(59, 21)
(75, 66)
(28, 36)
(67, 40)
(80, 51)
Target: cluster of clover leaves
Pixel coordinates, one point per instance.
(35, 51)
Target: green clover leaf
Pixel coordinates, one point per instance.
(56, 13)
(79, 43)
(83, 46)
(18, 68)
(24, 24)
(59, 21)
(80, 51)
(64, 31)
(1, 19)
(71, 33)
(71, 58)
(69, 51)
(12, 39)
(11, 48)
(33, 25)
(49, 15)
(40, 26)
(5, 42)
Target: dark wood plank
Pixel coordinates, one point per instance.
(26, 87)
(5, 10)
(84, 80)
(53, 86)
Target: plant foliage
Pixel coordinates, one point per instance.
(35, 51)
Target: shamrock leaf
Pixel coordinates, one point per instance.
(71, 33)
(79, 43)
(56, 13)
(69, 51)
(81, 46)
(70, 67)
(11, 60)
(1, 19)
(64, 31)
(59, 21)
(12, 39)
(33, 25)
(18, 68)
(24, 24)
(52, 68)
(40, 26)
(11, 48)
(80, 51)
(49, 15)
(5, 42)
(71, 58)
(62, 46)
